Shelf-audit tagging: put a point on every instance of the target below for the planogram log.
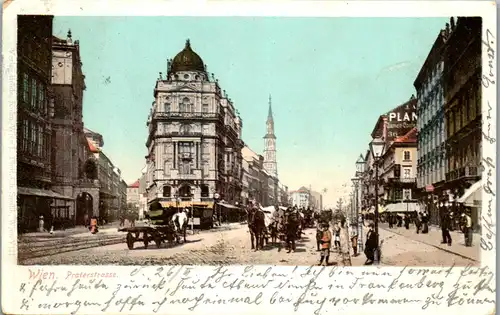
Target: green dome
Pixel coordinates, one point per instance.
(187, 60)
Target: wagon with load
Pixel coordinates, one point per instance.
(159, 230)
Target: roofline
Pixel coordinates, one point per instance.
(437, 47)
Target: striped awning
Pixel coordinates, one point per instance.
(187, 204)
(402, 207)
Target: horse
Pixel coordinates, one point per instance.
(180, 220)
(256, 226)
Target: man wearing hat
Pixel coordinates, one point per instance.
(468, 228)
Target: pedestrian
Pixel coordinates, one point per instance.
(390, 220)
(319, 235)
(467, 229)
(326, 243)
(336, 231)
(418, 222)
(425, 223)
(370, 245)
(445, 228)
(354, 239)
(407, 221)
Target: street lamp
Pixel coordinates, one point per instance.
(377, 148)
(216, 198)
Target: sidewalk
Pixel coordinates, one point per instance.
(434, 237)
(77, 231)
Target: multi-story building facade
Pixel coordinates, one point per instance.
(462, 88)
(70, 151)
(136, 198)
(254, 178)
(34, 127)
(398, 173)
(194, 142)
(105, 186)
(431, 165)
(316, 201)
(390, 126)
(301, 197)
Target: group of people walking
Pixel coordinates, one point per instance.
(448, 222)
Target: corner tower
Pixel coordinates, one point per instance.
(270, 164)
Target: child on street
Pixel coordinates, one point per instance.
(326, 242)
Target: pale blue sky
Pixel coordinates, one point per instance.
(329, 78)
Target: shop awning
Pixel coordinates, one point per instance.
(187, 204)
(402, 207)
(472, 196)
(28, 191)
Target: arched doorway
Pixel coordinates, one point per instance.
(84, 206)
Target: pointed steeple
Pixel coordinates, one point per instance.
(270, 113)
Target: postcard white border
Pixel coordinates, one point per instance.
(11, 273)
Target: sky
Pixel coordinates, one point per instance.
(329, 78)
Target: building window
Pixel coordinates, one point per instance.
(167, 107)
(185, 106)
(41, 99)
(26, 88)
(167, 191)
(204, 191)
(40, 141)
(33, 93)
(406, 194)
(407, 173)
(205, 108)
(24, 135)
(406, 156)
(185, 129)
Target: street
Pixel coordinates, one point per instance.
(205, 248)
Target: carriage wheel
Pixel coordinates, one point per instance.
(130, 241)
(145, 239)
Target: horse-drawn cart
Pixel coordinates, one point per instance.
(156, 234)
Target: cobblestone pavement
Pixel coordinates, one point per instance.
(398, 250)
(222, 247)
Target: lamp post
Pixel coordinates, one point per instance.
(217, 209)
(377, 148)
(360, 169)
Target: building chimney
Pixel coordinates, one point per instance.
(447, 29)
(452, 24)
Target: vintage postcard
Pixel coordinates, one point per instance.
(249, 157)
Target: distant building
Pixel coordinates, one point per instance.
(270, 164)
(301, 197)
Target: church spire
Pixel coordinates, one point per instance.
(270, 113)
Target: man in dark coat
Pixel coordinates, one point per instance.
(370, 245)
(445, 228)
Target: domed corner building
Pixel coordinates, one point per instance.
(194, 142)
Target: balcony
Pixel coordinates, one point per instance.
(88, 183)
(186, 156)
(186, 115)
(463, 172)
(402, 180)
